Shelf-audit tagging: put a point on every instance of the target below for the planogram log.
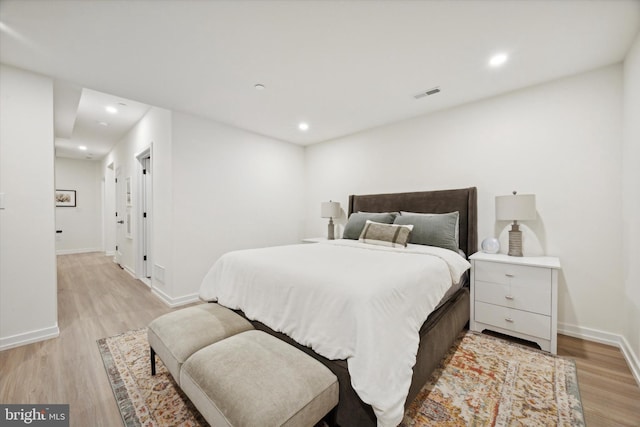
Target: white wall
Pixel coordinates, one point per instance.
(28, 283)
(215, 189)
(81, 225)
(631, 202)
(161, 123)
(232, 189)
(560, 141)
(153, 130)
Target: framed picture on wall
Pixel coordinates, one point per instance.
(66, 198)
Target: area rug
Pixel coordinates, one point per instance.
(144, 400)
(483, 381)
(487, 381)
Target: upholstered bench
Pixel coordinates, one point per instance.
(177, 335)
(253, 379)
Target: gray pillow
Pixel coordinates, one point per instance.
(433, 230)
(431, 214)
(393, 235)
(357, 220)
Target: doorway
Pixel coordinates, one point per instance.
(109, 209)
(144, 216)
(120, 208)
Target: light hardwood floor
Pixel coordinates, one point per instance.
(96, 299)
(610, 394)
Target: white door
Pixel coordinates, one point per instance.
(146, 217)
(120, 216)
(109, 224)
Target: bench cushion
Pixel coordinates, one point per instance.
(254, 379)
(177, 335)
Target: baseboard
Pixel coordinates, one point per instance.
(29, 337)
(109, 253)
(77, 251)
(589, 334)
(175, 302)
(632, 359)
(130, 271)
(608, 338)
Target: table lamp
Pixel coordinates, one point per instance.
(517, 207)
(330, 210)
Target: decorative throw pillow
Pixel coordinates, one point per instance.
(432, 214)
(386, 234)
(433, 230)
(356, 222)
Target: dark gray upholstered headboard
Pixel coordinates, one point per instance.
(463, 200)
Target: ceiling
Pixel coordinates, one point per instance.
(81, 119)
(340, 66)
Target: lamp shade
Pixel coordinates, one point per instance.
(517, 207)
(329, 209)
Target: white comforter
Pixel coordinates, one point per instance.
(346, 300)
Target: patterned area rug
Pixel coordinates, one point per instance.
(483, 381)
(144, 400)
(486, 381)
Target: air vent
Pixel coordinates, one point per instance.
(428, 92)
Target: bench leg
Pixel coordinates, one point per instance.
(153, 361)
(332, 418)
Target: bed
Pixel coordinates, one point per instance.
(436, 333)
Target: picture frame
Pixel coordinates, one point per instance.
(128, 191)
(65, 198)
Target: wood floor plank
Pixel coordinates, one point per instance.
(97, 299)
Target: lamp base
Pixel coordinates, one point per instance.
(330, 230)
(515, 240)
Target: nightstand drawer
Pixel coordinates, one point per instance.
(536, 299)
(523, 322)
(505, 274)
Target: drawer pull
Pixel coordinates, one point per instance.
(508, 275)
(509, 297)
(508, 319)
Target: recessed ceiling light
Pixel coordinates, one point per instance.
(259, 86)
(102, 123)
(82, 147)
(498, 60)
(110, 109)
(303, 126)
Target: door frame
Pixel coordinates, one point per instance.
(120, 209)
(144, 242)
(108, 211)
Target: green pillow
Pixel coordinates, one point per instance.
(357, 221)
(433, 230)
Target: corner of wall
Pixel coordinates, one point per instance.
(27, 222)
(631, 200)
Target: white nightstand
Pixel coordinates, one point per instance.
(516, 296)
(314, 239)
